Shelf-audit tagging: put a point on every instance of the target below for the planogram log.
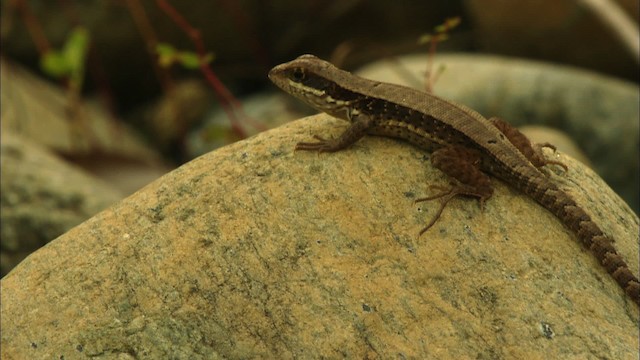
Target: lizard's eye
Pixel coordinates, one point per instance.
(298, 74)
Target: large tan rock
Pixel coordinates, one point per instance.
(257, 251)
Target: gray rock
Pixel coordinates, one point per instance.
(41, 197)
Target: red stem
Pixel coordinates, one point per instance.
(229, 103)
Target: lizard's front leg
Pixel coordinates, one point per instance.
(360, 124)
(462, 164)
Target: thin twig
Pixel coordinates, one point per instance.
(229, 103)
(33, 27)
(141, 21)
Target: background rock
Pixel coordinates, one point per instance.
(44, 193)
(41, 197)
(569, 32)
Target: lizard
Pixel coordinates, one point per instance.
(463, 144)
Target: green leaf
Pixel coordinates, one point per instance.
(168, 55)
(189, 60)
(75, 49)
(427, 38)
(54, 64)
(423, 39)
(192, 61)
(448, 24)
(70, 60)
(164, 49)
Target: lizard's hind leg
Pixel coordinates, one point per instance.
(461, 164)
(533, 152)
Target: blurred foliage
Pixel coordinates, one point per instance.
(168, 55)
(441, 31)
(68, 62)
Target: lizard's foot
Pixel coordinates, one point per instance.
(553, 162)
(533, 152)
(461, 164)
(321, 146)
(542, 160)
(548, 145)
(444, 191)
(447, 194)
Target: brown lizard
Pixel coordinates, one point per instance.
(464, 145)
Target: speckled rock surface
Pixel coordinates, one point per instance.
(254, 251)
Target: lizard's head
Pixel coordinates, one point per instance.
(312, 80)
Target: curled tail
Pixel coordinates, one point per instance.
(574, 217)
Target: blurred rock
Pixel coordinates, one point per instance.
(272, 110)
(41, 197)
(566, 32)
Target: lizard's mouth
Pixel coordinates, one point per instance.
(275, 75)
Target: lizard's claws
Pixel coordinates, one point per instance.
(553, 162)
(320, 146)
(448, 195)
(444, 191)
(550, 162)
(547, 145)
